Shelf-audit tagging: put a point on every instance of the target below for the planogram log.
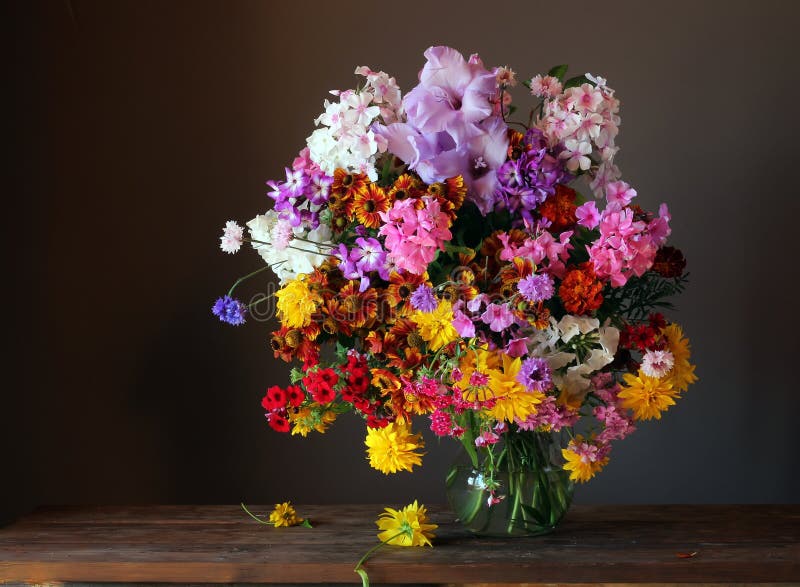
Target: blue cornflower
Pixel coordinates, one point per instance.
(229, 310)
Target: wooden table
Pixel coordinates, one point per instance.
(220, 544)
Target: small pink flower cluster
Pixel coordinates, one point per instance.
(627, 246)
(413, 236)
(544, 247)
(549, 415)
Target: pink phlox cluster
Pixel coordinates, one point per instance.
(303, 162)
(627, 246)
(550, 416)
(617, 425)
(605, 387)
(545, 247)
(413, 236)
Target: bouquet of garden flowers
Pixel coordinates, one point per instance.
(494, 275)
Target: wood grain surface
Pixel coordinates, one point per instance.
(220, 544)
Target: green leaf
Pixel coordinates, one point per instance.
(511, 110)
(526, 83)
(306, 523)
(576, 81)
(559, 71)
(296, 375)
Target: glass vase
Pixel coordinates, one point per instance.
(520, 490)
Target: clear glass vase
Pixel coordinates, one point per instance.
(527, 478)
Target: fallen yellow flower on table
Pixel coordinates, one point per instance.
(406, 527)
(283, 516)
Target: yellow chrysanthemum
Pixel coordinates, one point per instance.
(682, 374)
(392, 448)
(406, 527)
(436, 327)
(581, 467)
(307, 419)
(284, 515)
(297, 303)
(512, 399)
(647, 396)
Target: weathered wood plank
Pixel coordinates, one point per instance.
(219, 544)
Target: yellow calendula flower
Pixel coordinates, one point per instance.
(512, 399)
(682, 374)
(297, 303)
(284, 515)
(583, 461)
(436, 327)
(393, 448)
(406, 527)
(647, 396)
(307, 419)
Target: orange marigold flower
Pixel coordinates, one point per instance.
(368, 204)
(580, 291)
(559, 208)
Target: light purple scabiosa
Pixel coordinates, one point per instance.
(535, 374)
(451, 129)
(229, 310)
(537, 287)
(423, 299)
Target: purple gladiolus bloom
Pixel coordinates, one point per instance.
(423, 299)
(229, 310)
(451, 129)
(535, 374)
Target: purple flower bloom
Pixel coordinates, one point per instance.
(535, 374)
(319, 188)
(525, 182)
(537, 287)
(348, 262)
(451, 128)
(370, 256)
(296, 182)
(229, 310)
(423, 299)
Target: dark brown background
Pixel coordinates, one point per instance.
(138, 128)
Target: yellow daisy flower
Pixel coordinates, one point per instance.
(392, 448)
(406, 527)
(512, 399)
(284, 515)
(297, 303)
(436, 327)
(647, 396)
(682, 374)
(482, 361)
